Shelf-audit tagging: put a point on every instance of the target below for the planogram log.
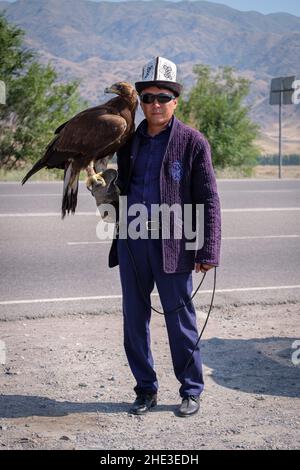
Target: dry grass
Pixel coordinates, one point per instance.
(43, 175)
(18, 174)
(260, 171)
(268, 171)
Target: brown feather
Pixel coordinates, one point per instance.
(91, 135)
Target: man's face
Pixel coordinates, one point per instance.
(158, 114)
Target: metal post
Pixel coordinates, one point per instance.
(280, 120)
(2, 93)
(281, 93)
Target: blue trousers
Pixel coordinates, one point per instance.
(174, 290)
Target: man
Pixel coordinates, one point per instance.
(166, 162)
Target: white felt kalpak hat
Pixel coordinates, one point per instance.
(159, 72)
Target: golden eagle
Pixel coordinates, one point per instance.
(88, 141)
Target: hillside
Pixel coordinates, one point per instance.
(103, 42)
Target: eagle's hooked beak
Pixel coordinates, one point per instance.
(111, 89)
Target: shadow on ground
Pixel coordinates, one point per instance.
(253, 366)
(262, 365)
(22, 406)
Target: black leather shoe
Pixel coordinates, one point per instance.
(189, 406)
(143, 403)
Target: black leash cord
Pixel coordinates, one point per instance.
(180, 306)
(207, 317)
(142, 291)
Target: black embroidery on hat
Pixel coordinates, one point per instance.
(147, 71)
(168, 72)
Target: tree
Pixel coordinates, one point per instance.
(36, 103)
(215, 107)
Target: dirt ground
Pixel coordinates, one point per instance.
(66, 384)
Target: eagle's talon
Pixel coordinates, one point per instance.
(95, 180)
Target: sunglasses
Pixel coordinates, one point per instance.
(149, 98)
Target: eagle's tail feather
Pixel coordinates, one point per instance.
(70, 191)
(36, 167)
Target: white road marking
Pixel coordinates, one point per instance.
(262, 209)
(259, 190)
(236, 180)
(260, 237)
(59, 299)
(257, 180)
(119, 296)
(87, 193)
(43, 214)
(88, 243)
(223, 238)
(57, 214)
(40, 194)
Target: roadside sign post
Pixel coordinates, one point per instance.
(2, 92)
(281, 94)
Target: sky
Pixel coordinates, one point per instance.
(265, 6)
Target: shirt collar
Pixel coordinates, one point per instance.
(142, 129)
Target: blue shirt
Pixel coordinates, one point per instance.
(145, 181)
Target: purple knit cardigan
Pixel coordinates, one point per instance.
(192, 182)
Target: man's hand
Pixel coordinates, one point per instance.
(202, 267)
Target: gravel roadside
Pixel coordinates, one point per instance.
(66, 384)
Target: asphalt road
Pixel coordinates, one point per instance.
(50, 266)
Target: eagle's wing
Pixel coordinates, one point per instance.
(57, 131)
(91, 132)
(102, 110)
